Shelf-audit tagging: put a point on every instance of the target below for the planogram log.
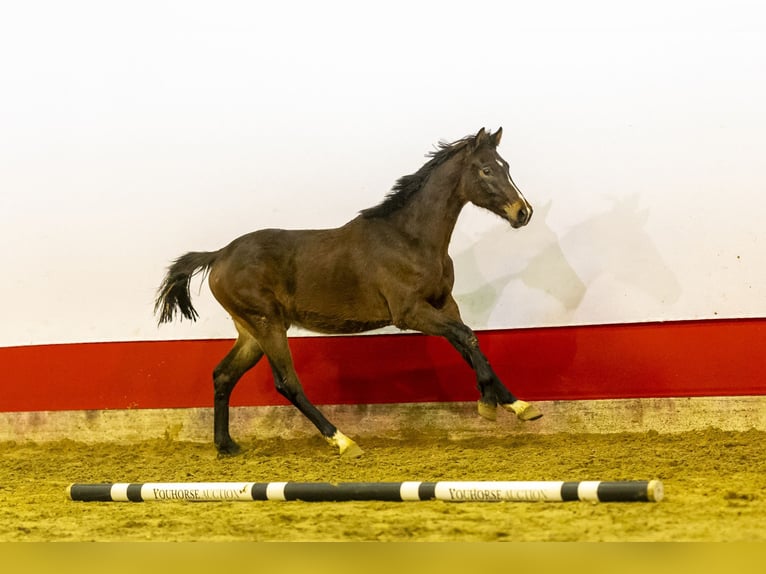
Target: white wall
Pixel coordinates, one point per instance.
(132, 132)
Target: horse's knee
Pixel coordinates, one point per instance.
(287, 388)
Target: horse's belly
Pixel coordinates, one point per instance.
(329, 324)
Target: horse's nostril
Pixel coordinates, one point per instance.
(523, 215)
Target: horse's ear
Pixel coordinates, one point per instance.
(495, 137)
(480, 138)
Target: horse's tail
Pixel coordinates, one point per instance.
(173, 295)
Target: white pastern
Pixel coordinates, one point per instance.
(341, 441)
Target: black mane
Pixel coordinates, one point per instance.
(408, 185)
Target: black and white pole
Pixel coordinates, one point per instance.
(451, 491)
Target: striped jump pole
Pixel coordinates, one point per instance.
(450, 491)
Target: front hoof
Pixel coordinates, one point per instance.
(487, 411)
(524, 411)
(228, 449)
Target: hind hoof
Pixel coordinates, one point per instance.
(229, 449)
(524, 411)
(487, 411)
(351, 451)
(346, 447)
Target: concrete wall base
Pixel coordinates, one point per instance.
(401, 420)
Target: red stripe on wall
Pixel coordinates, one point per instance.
(695, 358)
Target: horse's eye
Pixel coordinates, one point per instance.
(486, 171)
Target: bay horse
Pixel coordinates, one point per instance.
(387, 266)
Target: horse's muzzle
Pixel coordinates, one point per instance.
(518, 213)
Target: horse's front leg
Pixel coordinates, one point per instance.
(446, 322)
(493, 391)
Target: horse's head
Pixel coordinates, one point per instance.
(487, 183)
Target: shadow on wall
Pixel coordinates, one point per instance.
(611, 243)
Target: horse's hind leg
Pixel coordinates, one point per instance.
(243, 356)
(273, 341)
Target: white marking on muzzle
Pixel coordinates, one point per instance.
(521, 195)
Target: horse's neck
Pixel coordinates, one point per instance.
(431, 213)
